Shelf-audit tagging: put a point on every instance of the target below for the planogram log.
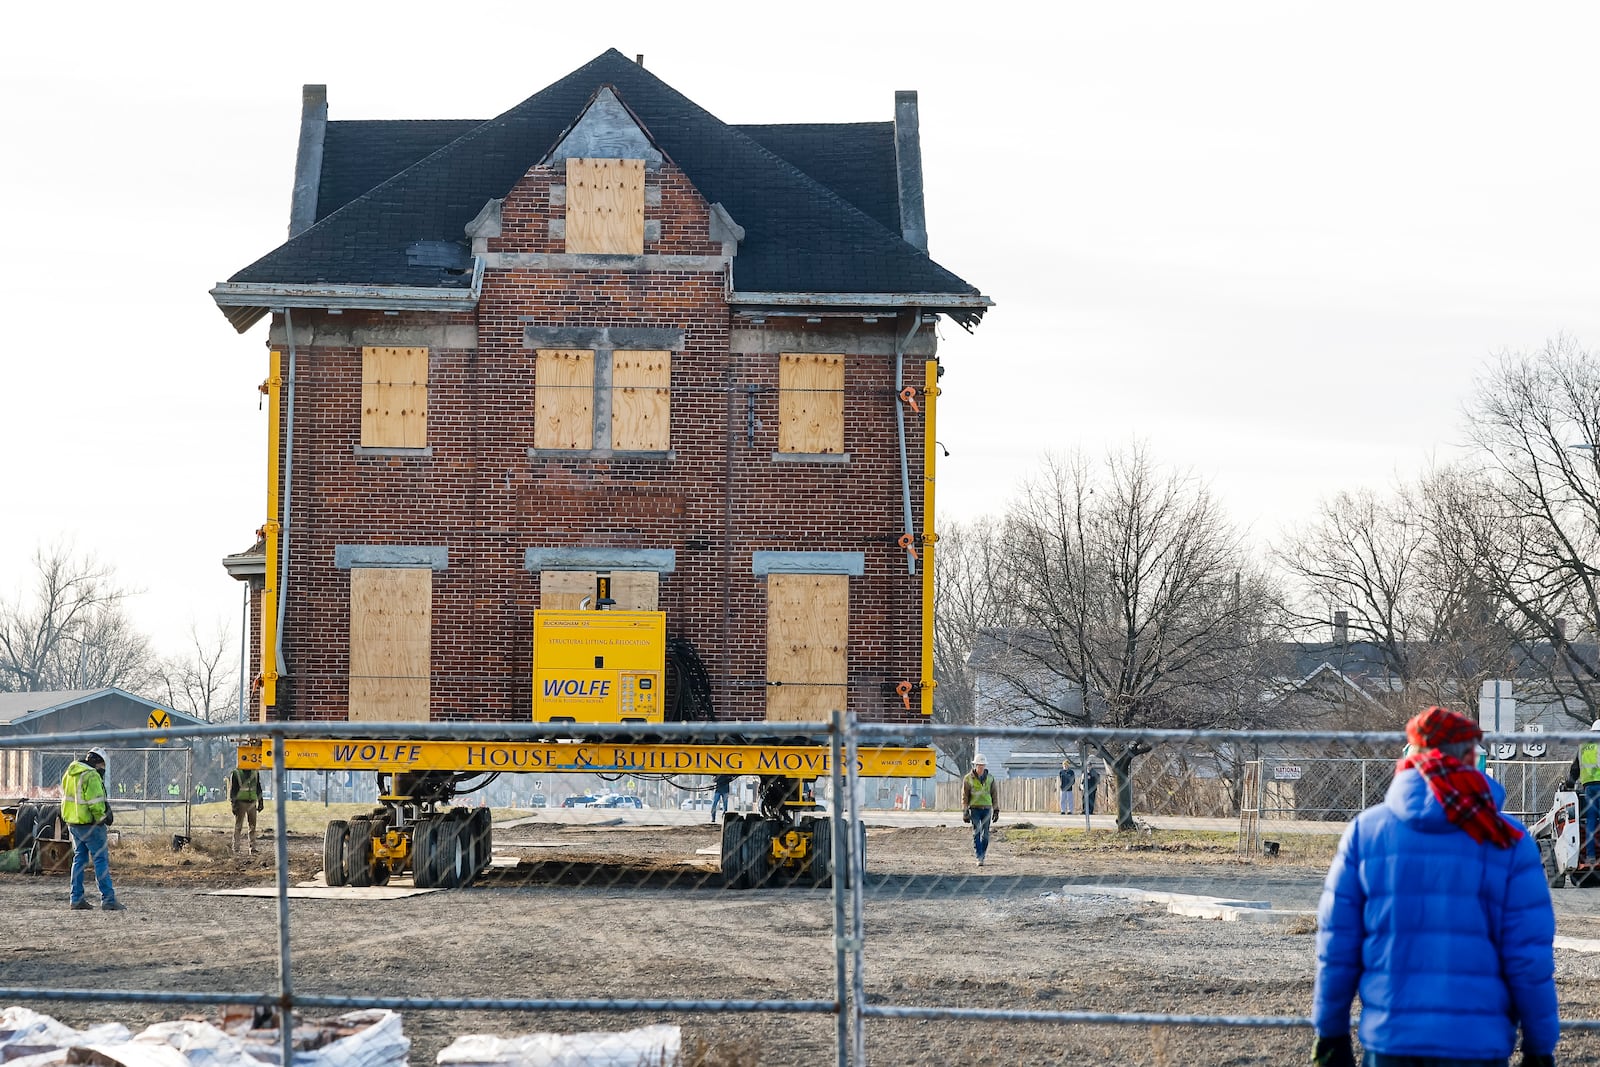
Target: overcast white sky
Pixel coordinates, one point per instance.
(1275, 240)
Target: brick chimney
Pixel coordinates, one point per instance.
(1341, 629)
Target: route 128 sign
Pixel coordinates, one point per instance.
(1533, 749)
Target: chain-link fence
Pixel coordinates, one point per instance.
(790, 930)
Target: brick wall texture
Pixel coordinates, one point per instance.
(718, 499)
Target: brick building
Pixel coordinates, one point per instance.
(602, 334)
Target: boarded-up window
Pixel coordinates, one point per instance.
(641, 406)
(810, 403)
(605, 206)
(391, 631)
(808, 630)
(394, 397)
(632, 590)
(564, 391)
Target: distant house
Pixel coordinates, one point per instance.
(139, 771)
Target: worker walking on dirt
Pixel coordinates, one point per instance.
(1436, 910)
(244, 794)
(87, 812)
(1068, 775)
(1584, 774)
(719, 794)
(980, 804)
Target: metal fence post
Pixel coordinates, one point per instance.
(858, 877)
(281, 841)
(841, 935)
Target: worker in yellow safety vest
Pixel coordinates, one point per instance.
(1585, 774)
(980, 804)
(87, 812)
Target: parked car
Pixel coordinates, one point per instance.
(297, 791)
(580, 800)
(698, 802)
(538, 800)
(617, 800)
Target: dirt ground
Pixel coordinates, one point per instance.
(635, 911)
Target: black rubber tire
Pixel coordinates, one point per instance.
(334, 841)
(27, 826)
(756, 853)
(733, 851)
(358, 853)
(48, 823)
(819, 862)
(480, 831)
(422, 853)
(1553, 874)
(452, 851)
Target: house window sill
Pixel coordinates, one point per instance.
(826, 459)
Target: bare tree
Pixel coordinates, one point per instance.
(204, 682)
(1140, 608)
(1407, 590)
(968, 597)
(71, 632)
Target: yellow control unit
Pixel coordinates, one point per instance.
(598, 666)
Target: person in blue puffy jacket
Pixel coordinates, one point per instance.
(1436, 910)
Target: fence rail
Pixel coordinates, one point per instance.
(1189, 774)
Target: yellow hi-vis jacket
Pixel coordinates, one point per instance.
(83, 795)
(1589, 763)
(981, 791)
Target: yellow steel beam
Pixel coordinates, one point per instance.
(570, 757)
(269, 591)
(930, 449)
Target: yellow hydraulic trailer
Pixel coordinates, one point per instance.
(445, 847)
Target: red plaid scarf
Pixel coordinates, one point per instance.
(1462, 791)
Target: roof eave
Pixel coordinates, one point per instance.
(246, 303)
(965, 308)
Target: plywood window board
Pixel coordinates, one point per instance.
(391, 644)
(605, 206)
(808, 636)
(810, 403)
(632, 590)
(564, 398)
(394, 397)
(641, 400)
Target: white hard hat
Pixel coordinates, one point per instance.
(1595, 725)
(100, 753)
(979, 761)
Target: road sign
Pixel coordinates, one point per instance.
(160, 719)
(1533, 749)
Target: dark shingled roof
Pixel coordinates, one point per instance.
(360, 154)
(800, 235)
(854, 159)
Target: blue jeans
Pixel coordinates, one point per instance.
(981, 818)
(718, 800)
(90, 842)
(1378, 1059)
(1591, 817)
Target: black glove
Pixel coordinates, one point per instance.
(1533, 1059)
(110, 817)
(1336, 1051)
(260, 804)
(966, 815)
(994, 818)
